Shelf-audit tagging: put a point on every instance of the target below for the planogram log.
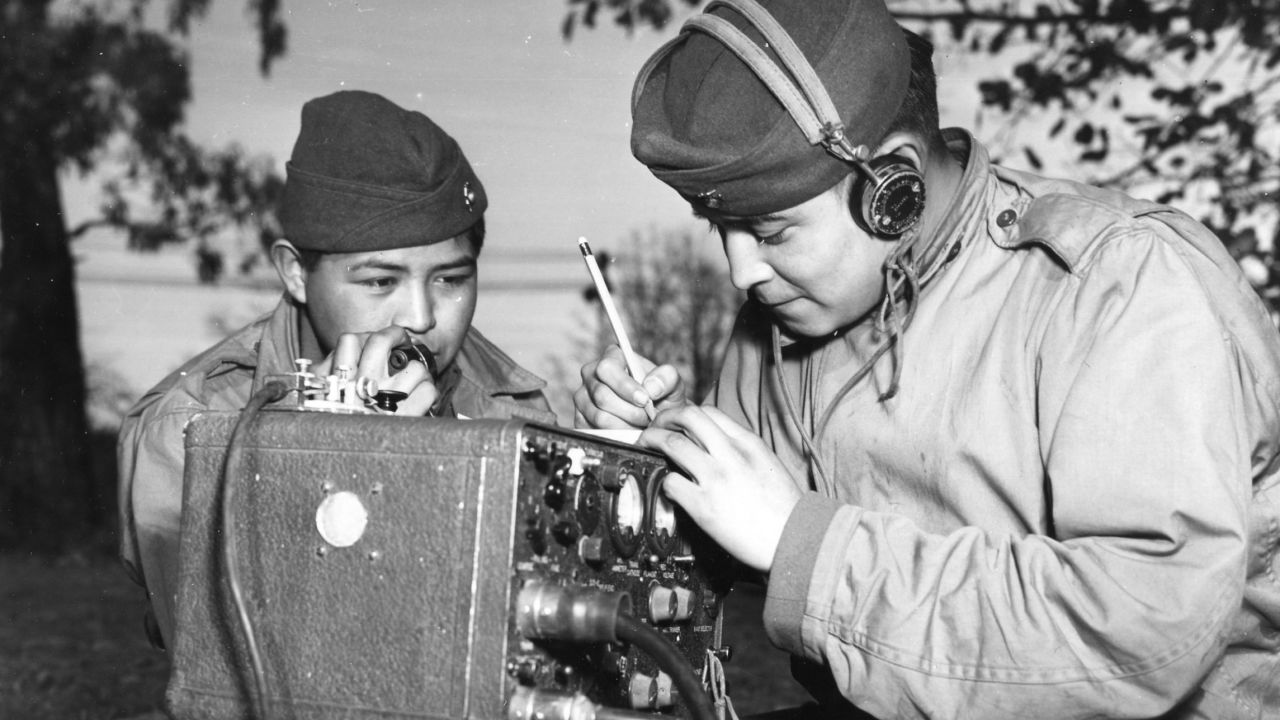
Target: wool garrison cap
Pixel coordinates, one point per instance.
(367, 174)
(706, 124)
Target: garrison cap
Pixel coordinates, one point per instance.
(367, 174)
(705, 123)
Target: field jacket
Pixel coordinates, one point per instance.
(1071, 506)
(150, 448)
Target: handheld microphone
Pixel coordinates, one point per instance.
(402, 355)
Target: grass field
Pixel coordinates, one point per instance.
(71, 641)
(72, 645)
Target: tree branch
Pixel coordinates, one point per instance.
(1032, 20)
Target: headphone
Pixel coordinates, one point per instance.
(888, 194)
(887, 197)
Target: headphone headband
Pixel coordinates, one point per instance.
(795, 84)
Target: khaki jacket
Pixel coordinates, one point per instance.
(150, 448)
(1071, 507)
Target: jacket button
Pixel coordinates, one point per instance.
(1006, 218)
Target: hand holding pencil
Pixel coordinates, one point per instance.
(612, 394)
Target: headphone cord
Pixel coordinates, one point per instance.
(902, 287)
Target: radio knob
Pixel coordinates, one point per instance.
(670, 605)
(560, 464)
(565, 532)
(651, 693)
(643, 692)
(663, 697)
(553, 496)
(535, 450)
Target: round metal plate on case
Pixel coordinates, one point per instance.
(341, 519)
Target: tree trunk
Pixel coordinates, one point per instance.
(46, 490)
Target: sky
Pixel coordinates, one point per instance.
(544, 122)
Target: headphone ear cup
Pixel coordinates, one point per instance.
(892, 202)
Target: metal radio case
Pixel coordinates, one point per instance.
(380, 558)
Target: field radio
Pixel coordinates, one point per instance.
(351, 565)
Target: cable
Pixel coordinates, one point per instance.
(581, 614)
(268, 393)
(668, 657)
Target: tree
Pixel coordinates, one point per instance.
(77, 81)
(1174, 100)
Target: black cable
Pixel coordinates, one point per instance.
(668, 657)
(270, 392)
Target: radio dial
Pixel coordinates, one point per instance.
(586, 502)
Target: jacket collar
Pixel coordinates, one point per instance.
(491, 371)
(280, 344)
(967, 210)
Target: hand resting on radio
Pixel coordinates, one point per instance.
(736, 489)
(366, 354)
(610, 399)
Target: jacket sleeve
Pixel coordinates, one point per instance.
(1122, 605)
(151, 460)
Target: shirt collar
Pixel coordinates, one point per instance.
(280, 344)
(493, 372)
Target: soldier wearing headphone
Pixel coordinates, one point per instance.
(1002, 446)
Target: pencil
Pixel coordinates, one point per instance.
(619, 332)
